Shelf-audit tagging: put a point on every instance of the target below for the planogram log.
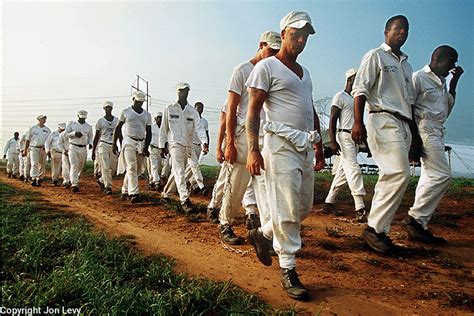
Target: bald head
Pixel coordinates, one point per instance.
(443, 59)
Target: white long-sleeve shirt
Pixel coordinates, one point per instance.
(178, 126)
(12, 147)
(85, 129)
(155, 136)
(386, 81)
(38, 135)
(52, 142)
(432, 100)
(63, 143)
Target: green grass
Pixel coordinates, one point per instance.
(52, 258)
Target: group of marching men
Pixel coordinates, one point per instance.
(269, 143)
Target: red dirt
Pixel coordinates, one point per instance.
(349, 279)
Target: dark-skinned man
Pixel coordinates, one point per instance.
(12, 154)
(55, 153)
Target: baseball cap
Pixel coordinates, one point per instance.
(138, 96)
(62, 125)
(82, 114)
(273, 39)
(39, 117)
(158, 114)
(182, 85)
(350, 72)
(108, 104)
(297, 20)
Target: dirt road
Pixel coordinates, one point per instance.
(343, 276)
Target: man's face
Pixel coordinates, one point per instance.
(350, 81)
(397, 35)
(16, 135)
(295, 39)
(42, 120)
(81, 120)
(138, 103)
(183, 94)
(446, 64)
(108, 110)
(199, 108)
(158, 120)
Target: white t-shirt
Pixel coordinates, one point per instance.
(85, 129)
(237, 85)
(432, 100)
(344, 102)
(52, 142)
(12, 147)
(135, 123)
(155, 136)
(38, 135)
(289, 98)
(106, 129)
(203, 123)
(63, 143)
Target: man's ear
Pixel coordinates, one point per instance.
(282, 34)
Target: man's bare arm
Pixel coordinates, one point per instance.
(254, 158)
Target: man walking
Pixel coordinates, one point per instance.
(79, 134)
(54, 153)
(348, 170)
(12, 154)
(433, 104)
(104, 133)
(63, 145)
(154, 161)
(193, 171)
(35, 140)
(283, 88)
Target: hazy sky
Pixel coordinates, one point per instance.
(84, 53)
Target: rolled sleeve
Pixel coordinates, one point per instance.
(366, 75)
(260, 78)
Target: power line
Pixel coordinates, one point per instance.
(66, 99)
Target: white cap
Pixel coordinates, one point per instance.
(297, 20)
(350, 73)
(108, 104)
(273, 39)
(62, 125)
(39, 117)
(138, 96)
(158, 114)
(182, 85)
(82, 114)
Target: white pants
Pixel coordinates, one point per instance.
(289, 180)
(13, 163)
(249, 201)
(133, 162)
(166, 167)
(236, 181)
(27, 165)
(347, 171)
(389, 139)
(154, 165)
(56, 163)
(435, 173)
(38, 162)
(179, 156)
(107, 163)
(21, 165)
(193, 170)
(66, 166)
(97, 170)
(263, 204)
(218, 190)
(77, 159)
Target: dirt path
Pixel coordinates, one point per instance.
(343, 276)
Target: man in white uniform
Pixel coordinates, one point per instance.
(384, 82)
(104, 133)
(154, 161)
(291, 142)
(12, 154)
(35, 140)
(24, 160)
(79, 134)
(63, 145)
(136, 139)
(193, 171)
(348, 170)
(237, 177)
(180, 121)
(54, 153)
(433, 104)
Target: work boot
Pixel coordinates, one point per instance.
(101, 185)
(292, 285)
(9, 175)
(213, 215)
(187, 207)
(361, 215)
(330, 208)
(261, 244)
(108, 191)
(13, 176)
(199, 191)
(55, 183)
(134, 198)
(228, 236)
(379, 242)
(124, 196)
(67, 184)
(416, 232)
(35, 183)
(150, 186)
(75, 189)
(252, 221)
(21, 178)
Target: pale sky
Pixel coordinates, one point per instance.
(84, 53)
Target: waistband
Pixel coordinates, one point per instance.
(40, 146)
(398, 116)
(77, 145)
(103, 141)
(137, 139)
(344, 130)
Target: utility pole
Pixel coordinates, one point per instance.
(136, 85)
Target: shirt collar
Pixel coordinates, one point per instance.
(427, 69)
(388, 49)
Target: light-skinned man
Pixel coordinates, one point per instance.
(34, 146)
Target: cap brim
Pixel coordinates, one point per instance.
(301, 24)
(274, 46)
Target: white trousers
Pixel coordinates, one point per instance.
(389, 140)
(218, 190)
(66, 166)
(435, 173)
(97, 170)
(179, 157)
(154, 165)
(166, 167)
(249, 201)
(77, 159)
(13, 163)
(263, 204)
(193, 170)
(289, 180)
(38, 162)
(56, 162)
(27, 165)
(107, 163)
(133, 162)
(347, 171)
(21, 165)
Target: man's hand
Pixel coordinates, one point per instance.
(4, 156)
(230, 153)
(90, 146)
(255, 162)
(457, 72)
(335, 148)
(416, 149)
(359, 133)
(220, 155)
(93, 155)
(24, 152)
(320, 162)
(205, 149)
(164, 152)
(78, 134)
(146, 153)
(49, 155)
(66, 153)
(115, 149)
